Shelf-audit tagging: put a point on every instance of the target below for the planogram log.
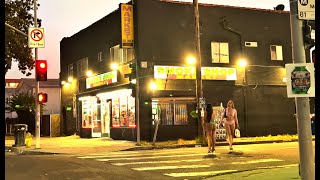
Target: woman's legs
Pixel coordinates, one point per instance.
(229, 135)
(213, 138)
(209, 135)
(232, 127)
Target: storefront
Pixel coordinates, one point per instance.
(100, 113)
(106, 109)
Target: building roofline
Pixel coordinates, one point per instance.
(226, 6)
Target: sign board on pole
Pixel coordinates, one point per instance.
(300, 80)
(306, 9)
(36, 37)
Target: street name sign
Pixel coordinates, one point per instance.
(306, 9)
(300, 80)
(35, 37)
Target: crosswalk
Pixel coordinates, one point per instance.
(184, 163)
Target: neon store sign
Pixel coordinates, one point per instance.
(101, 79)
(185, 72)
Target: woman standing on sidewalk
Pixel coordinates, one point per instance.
(231, 122)
(210, 127)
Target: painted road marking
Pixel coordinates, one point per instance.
(153, 162)
(282, 166)
(152, 157)
(192, 174)
(127, 155)
(258, 161)
(171, 167)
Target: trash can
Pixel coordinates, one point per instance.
(20, 134)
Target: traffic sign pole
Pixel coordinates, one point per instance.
(37, 118)
(307, 168)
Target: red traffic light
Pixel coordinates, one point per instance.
(42, 97)
(41, 70)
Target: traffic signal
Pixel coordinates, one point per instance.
(42, 98)
(132, 75)
(41, 70)
(307, 29)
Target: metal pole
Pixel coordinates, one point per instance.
(137, 104)
(17, 30)
(37, 128)
(199, 93)
(302, 103)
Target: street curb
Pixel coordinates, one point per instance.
(22, 151)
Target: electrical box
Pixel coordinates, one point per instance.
(251, 44)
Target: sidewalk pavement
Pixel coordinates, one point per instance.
(76, 145)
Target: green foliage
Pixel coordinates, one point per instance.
(22, 102)
(24, 105)
(18, 14)
(200, 140)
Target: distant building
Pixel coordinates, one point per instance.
(10, 89)
(51, 87)
(164, 35)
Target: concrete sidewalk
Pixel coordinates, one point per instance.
(76, 145)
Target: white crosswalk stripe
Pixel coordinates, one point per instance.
(190, 163)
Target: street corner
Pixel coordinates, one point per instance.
(21, 150)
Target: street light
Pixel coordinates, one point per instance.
(243, 63)
(153, 86)
(114, 66)
(89, 73)
(191, 60)
(70, 79)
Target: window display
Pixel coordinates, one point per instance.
(131, 111)
(89, 112)
(123, 111)
(115, 112)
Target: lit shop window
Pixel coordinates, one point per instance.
(89, 113)
(119, 55)
(220, 52)
(170, 112)
(123, 112)
(276, 52)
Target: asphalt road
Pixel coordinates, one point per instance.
(183, 163)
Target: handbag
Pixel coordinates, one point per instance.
(237, 133)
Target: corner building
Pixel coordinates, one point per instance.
(105, 105)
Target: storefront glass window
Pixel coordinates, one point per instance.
(115, 112)
(170, 112)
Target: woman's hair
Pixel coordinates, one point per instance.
(209, 112)
(232, 104)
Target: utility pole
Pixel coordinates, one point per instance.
(37, 128)
(199, 93)
(137, 103)
(307, 169)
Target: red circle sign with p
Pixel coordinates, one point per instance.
(36, 37)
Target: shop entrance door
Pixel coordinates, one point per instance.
(105, 118)
(96, 121)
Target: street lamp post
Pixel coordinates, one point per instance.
(199, 92)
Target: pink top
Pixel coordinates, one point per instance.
(231, 116)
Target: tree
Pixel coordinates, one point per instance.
(24, 105)
(18, 14)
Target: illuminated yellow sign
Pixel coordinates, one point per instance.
(127, 35)
(101, 79)
(185, 72)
